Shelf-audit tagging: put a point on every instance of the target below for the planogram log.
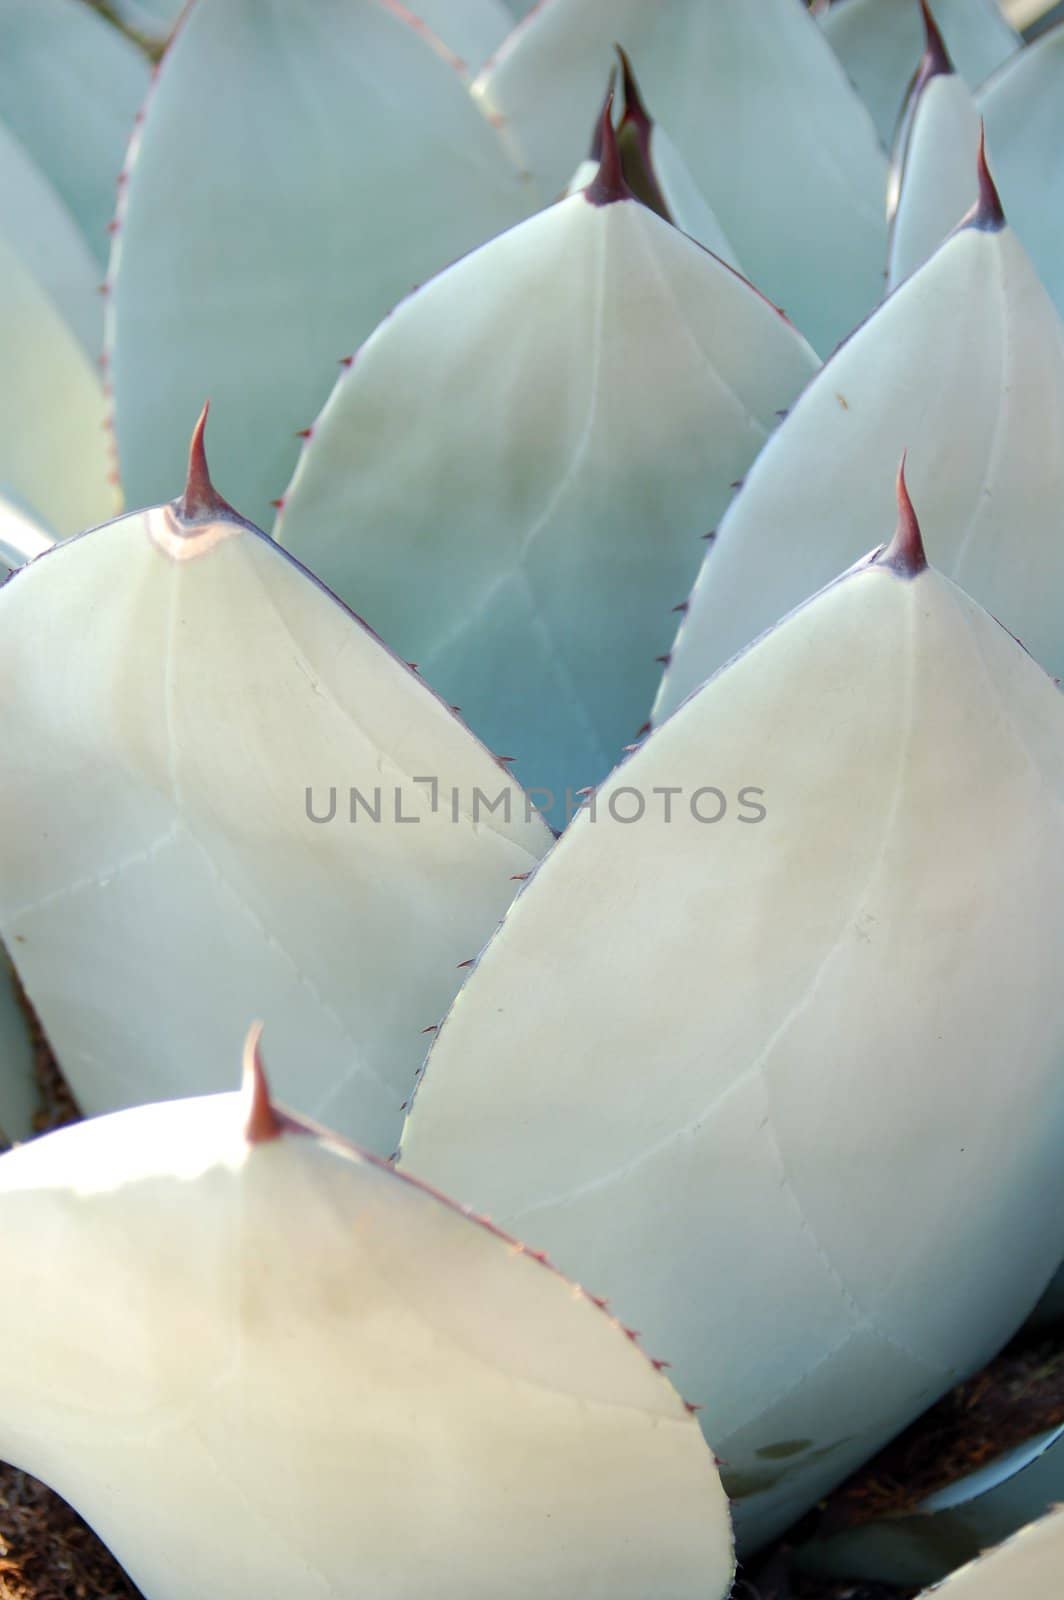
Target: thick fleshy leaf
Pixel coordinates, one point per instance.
(154, 19)
(1035, 17)
(964, 366)
(1049, 1312)
(1023, 107)
(18, 1090)
(70, 86)
(736, 1051)
(512, 480)
(658, 174)
(954, 1524)
(688, 209)
(299, 170)
(472, 29)
(22, 538)
(938, 181)
(1029, 1564)
(879, 44)
(54, 460)
(36, 224)
(756, 104)
(170, 863)
(261, 1362)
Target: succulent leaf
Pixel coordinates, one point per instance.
(153, 19)
(1049, 1311)
(879, 44)
(965, 365)
(1028, 1564)
(54, 461)
(324, 160)
(36, 224)
(70, 86)
(18, 1092)
(276, 1366)
(473, 30)
(180, 846)
(938, 183)
(757, 105)
(658, 175)
(22, 538)
(1023, 108)
(512, 479)
(793, 1054)
(954, 1524)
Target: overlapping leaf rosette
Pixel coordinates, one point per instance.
(632, 804)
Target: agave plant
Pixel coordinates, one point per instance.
(401, 1372)
(669, 864)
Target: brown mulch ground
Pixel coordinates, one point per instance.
(1020, 1394)
(47, 1552)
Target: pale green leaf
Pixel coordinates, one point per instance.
(1029, 1564)
(54, 458)
(472, 28)
(18, 1088)
(300, 169)
(778, 1081)
(879, 43)
(964, 367)
(774, 137)
(954, 1524)
(37, 226)
(70, 87)
(938, 181)
(174, 688)
(263, 1363)
(512, 481)
(1023, 107)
